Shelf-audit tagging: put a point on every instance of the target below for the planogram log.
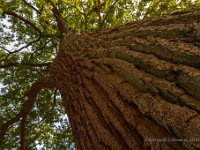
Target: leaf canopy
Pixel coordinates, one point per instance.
(29, 43)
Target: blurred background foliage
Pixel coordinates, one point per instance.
(29, 43)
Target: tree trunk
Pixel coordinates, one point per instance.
(135, 86)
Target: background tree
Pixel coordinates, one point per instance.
(29, 44)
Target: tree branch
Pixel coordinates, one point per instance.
(54, 100)
(24, 20)
(99, 13)
(45, 82)
(107, 14)
(25, 64)
(54, 96)
(31, 6)
(23, 130)
(59, 19)
(30, 43)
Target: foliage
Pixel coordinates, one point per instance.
(29, 43)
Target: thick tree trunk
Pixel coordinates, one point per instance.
(136, 86)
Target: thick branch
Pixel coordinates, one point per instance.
(45, 82)
(24, 20)
(24, 64)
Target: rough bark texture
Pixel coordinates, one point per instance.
(135, 86)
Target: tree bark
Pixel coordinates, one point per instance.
(135, 86)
